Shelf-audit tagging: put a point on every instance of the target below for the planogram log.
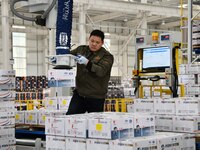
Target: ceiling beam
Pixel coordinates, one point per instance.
(120, 6)
(169, 25)
(100, 18)
(149, 19)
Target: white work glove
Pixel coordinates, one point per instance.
(81, 60)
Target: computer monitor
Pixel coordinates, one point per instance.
(156, 59)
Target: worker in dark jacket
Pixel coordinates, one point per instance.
(94, 65)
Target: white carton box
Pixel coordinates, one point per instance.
(63, 102)
(51, 103)
(130, 107)
(169, 141)
(7, 94)
(144, 125)
(193, 89)
(164, 123)
(19, 117)
(42, 114)
(186, 79)
(164, 106)
(41, 117)
(7, 83)
(7, 144)
(55, 126)
(121, 145)
(143, 106)
(97, 144)
(7, 132)
(75, 144)
(7, 105)
(183, 69)
(194, 68)
(7, 118)
(31, 117)
(76, 126)
(7, 73)
(144, 143)
(188, 142)
(61, 78)
(110, 127)
(186, 124)
(187, 106)
(55, 143)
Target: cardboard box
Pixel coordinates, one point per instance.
(164, 106)
(76, 126)
(55, 126)
(55, 142)
(7, 118)
(187, 106)
(75, 144)
(111, 127)
(19, 117)
(186, 124)
(63, 102)
(61, 78)
(143, 106)
(121, 145)
(164, 122)
(97, 144)
(31, 117)
(144, 125)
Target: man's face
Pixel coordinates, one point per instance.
(95, 43)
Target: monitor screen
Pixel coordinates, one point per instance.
(156, 59)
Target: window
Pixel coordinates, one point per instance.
(19, 53)
(107, 44)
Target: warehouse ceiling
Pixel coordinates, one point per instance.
(163, 14)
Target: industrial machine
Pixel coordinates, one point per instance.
(52, 14)
(157, 63)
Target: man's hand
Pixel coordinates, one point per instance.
(81, 60)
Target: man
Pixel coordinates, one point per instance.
(94, 65)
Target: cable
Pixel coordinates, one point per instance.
(43, 16)
(174, 89)
(18, 14)
(46, 13)
(155, 78)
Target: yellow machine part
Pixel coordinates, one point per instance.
(29, 104)
(117, 104)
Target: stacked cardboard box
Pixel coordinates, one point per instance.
(7, 110)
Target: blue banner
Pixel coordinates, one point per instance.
(64, 26)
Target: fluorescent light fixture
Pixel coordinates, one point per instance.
(18, 27)
(107, 33)
(163, 22)
(183, 6)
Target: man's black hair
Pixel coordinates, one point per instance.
(98, 33)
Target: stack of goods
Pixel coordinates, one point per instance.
(30, 87)
(7, 111)
(35, 117)
(54, 106)
(173, 115)
(189, 75)
(110, 131)
(196, 38)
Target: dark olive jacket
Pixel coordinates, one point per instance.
(92, 79)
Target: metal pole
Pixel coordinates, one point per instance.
(82, 26)
(190, 31)
(5, 34)
(27, 142)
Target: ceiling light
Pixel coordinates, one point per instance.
(163, 22)
(18, 27)
(125, 19)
